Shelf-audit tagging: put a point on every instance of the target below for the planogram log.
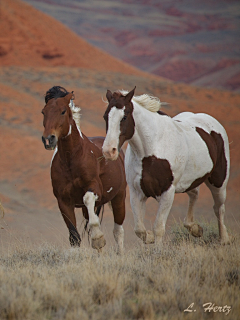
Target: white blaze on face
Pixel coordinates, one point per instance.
(110, 146)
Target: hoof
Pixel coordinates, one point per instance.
(225, 242)
(98, 243)
(196, 230)
(119, 252)
(149, 237)
(228, 240)
(146, 236)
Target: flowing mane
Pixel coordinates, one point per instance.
(146, 101)
(75, 113)
(60, 92)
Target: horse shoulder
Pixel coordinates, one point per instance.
(133, 169)
(85, 164)
(172, 144)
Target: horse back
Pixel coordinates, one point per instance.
(98, 141)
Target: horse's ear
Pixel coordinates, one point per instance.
(109, 95)
(130, 94)
(68, 97)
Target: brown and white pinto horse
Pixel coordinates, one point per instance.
(167, 156)
(81, 177)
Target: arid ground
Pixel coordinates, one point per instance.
(182, 280)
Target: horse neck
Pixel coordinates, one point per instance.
(69, 144)
(148, 126)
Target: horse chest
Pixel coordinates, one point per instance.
(68, 183)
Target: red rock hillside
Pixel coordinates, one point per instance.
(30, 38)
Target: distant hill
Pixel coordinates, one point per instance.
(26, 74)
(30, 38)
(195, 42)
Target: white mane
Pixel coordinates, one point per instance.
(146, 101)
(75, 113)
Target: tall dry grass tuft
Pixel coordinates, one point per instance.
(146, 282)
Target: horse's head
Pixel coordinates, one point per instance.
(57, 120)
(119, 123)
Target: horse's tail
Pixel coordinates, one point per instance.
(2, 210)
(97, 212)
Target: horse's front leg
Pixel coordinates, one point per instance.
(138, 204)
(98, 240)
(165, 203)
(68, 214)
(118, 208)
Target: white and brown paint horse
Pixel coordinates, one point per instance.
(167, 156)
(81, 178)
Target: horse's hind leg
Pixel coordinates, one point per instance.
(194, 229)
(118, 208)
(219, 197)
(98, 240)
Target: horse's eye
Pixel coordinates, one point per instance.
(124, 118)
(63, 112)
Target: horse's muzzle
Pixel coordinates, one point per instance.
(50, 142)
(110, 153)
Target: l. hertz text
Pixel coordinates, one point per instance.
(210, 307)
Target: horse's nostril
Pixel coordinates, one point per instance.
(114, 150)
(51, 138)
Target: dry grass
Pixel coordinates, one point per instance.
(1, 211)
(147, 282)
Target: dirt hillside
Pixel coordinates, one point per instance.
(187, 41)
(26, 74)
(30, 38)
